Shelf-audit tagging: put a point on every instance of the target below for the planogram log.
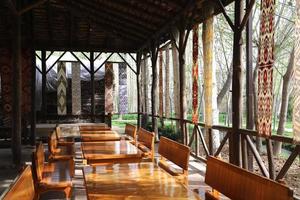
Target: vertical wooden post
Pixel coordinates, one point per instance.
(138, 66)
(44, 80)
(33, 109)
(17, 92)
(92, 69)
(154, 52)
(234, 139)
(145, 81)
(249, 81)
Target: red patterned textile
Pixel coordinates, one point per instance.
(265, 70)
(195, 74)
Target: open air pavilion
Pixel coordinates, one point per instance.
(64, 64)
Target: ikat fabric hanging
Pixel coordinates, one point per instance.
(109, 78)
(76, 89)
(265, 70)
(123, 98)
(195, 74)
(296, 111)
(61, 89)
(160, 83)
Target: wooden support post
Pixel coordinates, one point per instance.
(145, 92)
(234, 139)
(154, 92)
(138, 67)
(249, 81)
(17, 92)
(33, 109)
(92, 70)
(44, 80)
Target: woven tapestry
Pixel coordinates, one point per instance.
(61, 89)
(6, 85)
(296, 111)
(195, 74)
(167, 83)
(123, 100)
(265, 70)
(160, 85)
(109, 79)
(76, 89)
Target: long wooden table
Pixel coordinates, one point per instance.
(110, 152)
(93, 136)
(133, 181)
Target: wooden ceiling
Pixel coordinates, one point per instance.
(99, 25)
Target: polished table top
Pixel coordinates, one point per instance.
(113, 150)
(99, 136)
(133, 181)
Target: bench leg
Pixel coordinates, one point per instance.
(68, 192)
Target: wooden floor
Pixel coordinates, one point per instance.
(196, 176)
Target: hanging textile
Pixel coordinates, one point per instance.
(123, 101)
(195, 74)
(167, 83)
(296, 111)
(109, 76)
(61, 89)
(76, 89)
(265, 69)
(160, 83)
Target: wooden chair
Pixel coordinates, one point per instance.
(61, 141)
(145, 142)
(22, 187)
(237, 183)
(54, 176)
(130, 133)
(175, 152)
(60, 154)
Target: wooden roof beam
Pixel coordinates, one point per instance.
(115, 20)
(49, 21)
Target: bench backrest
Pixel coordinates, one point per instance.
(38, 159)
(58, 132)
(237, 183)
(94, 128)
(130, 130)
(146, 138)
(52, 143)
(22, 188)
(175, 152)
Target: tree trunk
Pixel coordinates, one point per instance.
(154, 90)
(225, 87)
(161, 92)
(167, 83)
(284, 103)
(258, 140)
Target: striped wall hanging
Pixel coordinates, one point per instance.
(195, 74)
(76, 89)
(61, 89)
(296, 111)
(160, 85)
(123, 99)
(265, 69)
(109, 78)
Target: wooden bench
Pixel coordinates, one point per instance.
(22, 188)
(237, 183)
(130, 133)
(175, 152)
(54, 176)
(62, 141)
(145, 142)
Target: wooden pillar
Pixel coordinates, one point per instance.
(234, 139)
(249, 81)
(33, 108)
(44, 80)
(145, 92)
(17, 92)
(92, 68)
(138, 66)
(154, 92)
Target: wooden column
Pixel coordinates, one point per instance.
(234, 139)
(44, 80)
(249, 81)
(17, 92)
(145, 81)
(138, 66)
(33, 108)
(92, 68)
(154, 92)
